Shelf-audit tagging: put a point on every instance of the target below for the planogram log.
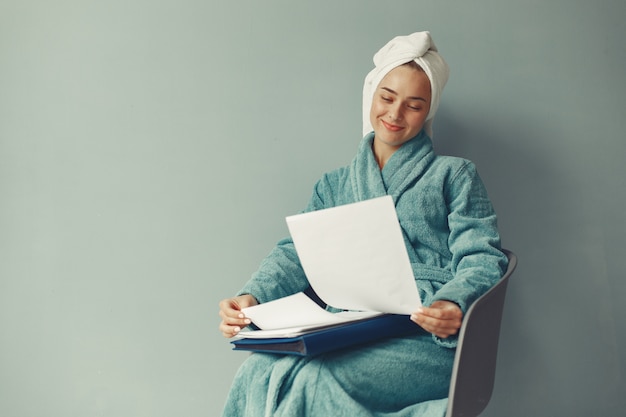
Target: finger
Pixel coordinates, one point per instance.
(446, 313)
(442, 332)
(230, 313)
(432, 317)
(447, 306)
(230, 307)
(434, 313)
(238, 320)
(437, 326)
(233, 319)
(228, 330)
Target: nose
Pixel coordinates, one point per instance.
(394, 113)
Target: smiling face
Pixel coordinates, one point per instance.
(400, 106)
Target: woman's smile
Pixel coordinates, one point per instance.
(393, 128)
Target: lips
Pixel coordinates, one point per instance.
(391, 127)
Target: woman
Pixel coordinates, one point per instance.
(451, 236)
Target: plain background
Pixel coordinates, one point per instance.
(150, 150)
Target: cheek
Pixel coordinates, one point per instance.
(373, 113)
(418, 121)
(376, 110)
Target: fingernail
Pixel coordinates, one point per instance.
(247, 321)
(241, 316)
(236, 329)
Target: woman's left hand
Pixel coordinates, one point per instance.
(442, 318)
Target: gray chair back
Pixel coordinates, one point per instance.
(474, 369)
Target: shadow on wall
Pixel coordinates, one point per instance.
(544, 218)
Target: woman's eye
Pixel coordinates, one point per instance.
(387, 99)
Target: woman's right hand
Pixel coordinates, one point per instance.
(233, 319)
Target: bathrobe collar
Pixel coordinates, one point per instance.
(404, 167)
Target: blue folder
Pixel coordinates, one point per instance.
(333, 338)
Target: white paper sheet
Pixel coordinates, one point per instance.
(355, 257)
(293, 315)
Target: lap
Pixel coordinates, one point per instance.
(383, 376)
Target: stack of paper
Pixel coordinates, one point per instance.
(355, 258)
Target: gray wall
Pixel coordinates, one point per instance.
(149, 151)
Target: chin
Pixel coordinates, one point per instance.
(393, 141)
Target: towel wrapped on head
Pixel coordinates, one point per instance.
(418, 47)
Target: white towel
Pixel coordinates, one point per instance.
(418, 47)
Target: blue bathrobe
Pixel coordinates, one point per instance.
(449, 227)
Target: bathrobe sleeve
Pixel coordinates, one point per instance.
(280, 274)
(477, 261)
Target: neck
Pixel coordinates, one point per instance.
(382, 152)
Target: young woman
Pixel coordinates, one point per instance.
(451, 235)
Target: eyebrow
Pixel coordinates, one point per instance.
(410, 98)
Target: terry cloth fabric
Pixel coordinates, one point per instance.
(418, 47)
(449, 228)
(377, 380)
(447, 220)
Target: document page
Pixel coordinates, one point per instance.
(355, 258)
(295, 315)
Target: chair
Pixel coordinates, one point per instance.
(474, 368)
